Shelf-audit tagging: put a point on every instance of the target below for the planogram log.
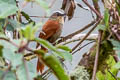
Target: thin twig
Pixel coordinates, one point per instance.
(49, 17)
(51, 4)
(79, 37)
(92, 15)
(82, 47)
(96, 57)
(11, 42)
(86, 35)
(112, 75)
(47, 71)
(5, 24)
(6, 71)
(81, 6)
(95, 11)
(29, 57)
(26, 69)
(96, 6)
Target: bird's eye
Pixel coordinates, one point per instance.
(58, 14)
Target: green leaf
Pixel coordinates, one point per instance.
(1, 47)
(52, 62)
(101, 27)
(27, 17)
(8, 27)
(12, 24)
(38, 78)
(29, 31)
(16, 59)
(9, 1)
(106, 17)
(1, 29)
(63, 47)
(100, 76)
(36, 27)
(32, 70)
(66, 55)
(2, 62)
(117, 65)
(106, 75)
(117, 6)
(44, 5)
(21, 72)
(116, 45)
(9, 53)
(1, 73)
(10, 76)
(7, 45)
(7, 8)
(46, 44)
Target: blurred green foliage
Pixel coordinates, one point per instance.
(15, 36)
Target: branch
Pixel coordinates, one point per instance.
(46, 73)
(9, 41)
(86, 35)
(76, 32)
(29, 56)
(82, 47)
(6, 71)
(1, 38)
(5, 24)
(96, 6)
(96, 57)
(79, 37)
(47, 16)
(52, 3)
(26, 69)
(116, 58)
(112, 75)
(94, 10)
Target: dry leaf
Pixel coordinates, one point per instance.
(71, 8)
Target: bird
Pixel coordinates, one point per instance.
(51, 31)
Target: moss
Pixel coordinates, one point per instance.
(79, 73)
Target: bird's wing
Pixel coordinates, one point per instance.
(49, 29)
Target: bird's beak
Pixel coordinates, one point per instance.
(64, 15)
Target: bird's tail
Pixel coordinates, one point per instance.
(40, 64)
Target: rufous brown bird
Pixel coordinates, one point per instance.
(51, 31)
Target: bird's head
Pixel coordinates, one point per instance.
(58, 16)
